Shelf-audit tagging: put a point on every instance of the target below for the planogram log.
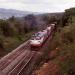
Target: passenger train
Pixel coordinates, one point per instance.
(38, 38)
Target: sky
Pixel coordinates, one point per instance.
(38, 5)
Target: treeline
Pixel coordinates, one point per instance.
(13, 26)
(64, 42)
(67, 17)
(14, 31)
(70, 11)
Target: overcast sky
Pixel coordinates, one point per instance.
(38, 5)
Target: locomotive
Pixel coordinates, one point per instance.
(38, 38)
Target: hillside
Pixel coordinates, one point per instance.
(61, 57)
(6, 13)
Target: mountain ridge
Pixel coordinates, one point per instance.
(6, 13)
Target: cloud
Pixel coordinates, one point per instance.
(38, 5)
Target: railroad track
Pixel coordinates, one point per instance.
(12, 56)
(16, 67)
(22, 64)
(19, 63)
(10, 59)
(10, 67)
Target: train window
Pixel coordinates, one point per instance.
(37, 38)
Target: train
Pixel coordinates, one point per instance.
(38, 38)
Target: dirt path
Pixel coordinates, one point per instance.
(49, 68)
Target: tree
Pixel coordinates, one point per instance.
(70, 11)
(1, 43)
(19, 28)
(6, 28)
(46, 19)
(49, 20)
(30, 21)
(12, 19)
